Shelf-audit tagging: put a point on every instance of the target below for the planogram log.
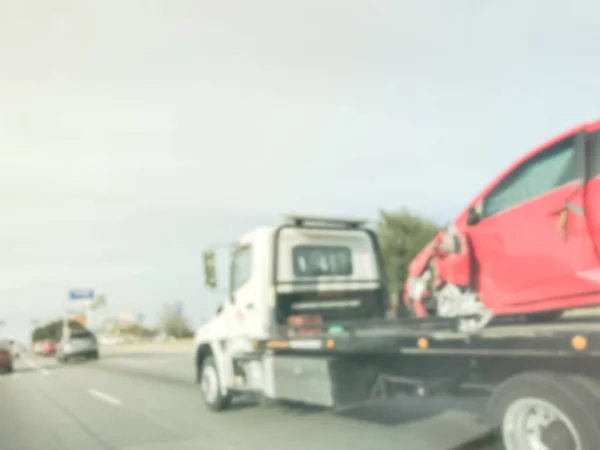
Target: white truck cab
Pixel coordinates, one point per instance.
(309, 273)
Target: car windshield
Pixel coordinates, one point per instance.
(594, 154)
(81, 335)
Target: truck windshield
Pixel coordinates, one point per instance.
(313, 261)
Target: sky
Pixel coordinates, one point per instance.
(133, 134)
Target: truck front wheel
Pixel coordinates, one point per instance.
(211, 386)
(544, 410)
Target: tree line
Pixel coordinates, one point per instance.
(53, 330)
(170, 324)
(402, 235)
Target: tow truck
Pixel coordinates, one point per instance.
(306, 319)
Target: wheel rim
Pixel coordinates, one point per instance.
(210, 384)
(535, 424)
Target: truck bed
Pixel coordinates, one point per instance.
(570, 337)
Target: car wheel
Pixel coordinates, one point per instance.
(210, 384)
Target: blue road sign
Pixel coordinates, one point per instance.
(179, 309)
(81, 294)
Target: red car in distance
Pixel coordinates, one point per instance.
(49, 348)
(529, 243)
(6, 360)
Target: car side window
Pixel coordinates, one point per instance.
(593, 162)
(241, 269)
(544, 172)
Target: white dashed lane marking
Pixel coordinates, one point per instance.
(104, 397)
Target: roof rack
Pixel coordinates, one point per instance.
(301, 221)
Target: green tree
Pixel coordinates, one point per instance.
(136, 330)
(53, 330)
(175, 325)
(402, 235)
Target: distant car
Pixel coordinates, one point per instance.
(49, 348)
(77, 343)
(6, 360)
(38, 347)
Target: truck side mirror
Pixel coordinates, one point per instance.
(210, 274)
(473, 217)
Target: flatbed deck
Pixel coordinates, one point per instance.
(439, 336)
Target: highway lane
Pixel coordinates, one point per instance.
(149, 402)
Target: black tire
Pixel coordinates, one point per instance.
(572, 398)
(94, 355)
(217, 401)
(591, 385)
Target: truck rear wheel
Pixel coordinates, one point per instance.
(211, 386)
(542, 410)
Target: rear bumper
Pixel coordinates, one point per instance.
(87, 353)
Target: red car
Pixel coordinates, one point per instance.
(528, 243)
(49, 348)
(6, 360)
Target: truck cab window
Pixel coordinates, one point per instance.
(241, 268)
(548, 170)
(314, 261)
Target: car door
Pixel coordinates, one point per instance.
(532, 238)
(242, 311)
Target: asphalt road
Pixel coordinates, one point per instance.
(150, 402)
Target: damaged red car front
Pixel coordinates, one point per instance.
(528, 244)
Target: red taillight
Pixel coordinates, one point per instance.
(305, 325)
